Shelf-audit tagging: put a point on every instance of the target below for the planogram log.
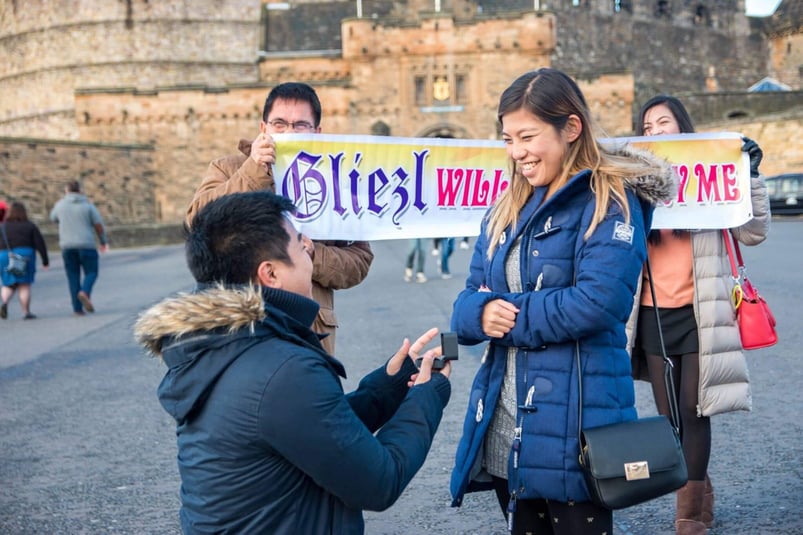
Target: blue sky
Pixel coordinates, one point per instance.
(758, 8)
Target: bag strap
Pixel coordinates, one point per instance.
(669, 382)
(5, 239)
(732, 244)
(742, 288)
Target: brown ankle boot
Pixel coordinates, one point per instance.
(707, 515)
(689, 509)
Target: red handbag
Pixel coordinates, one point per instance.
(755, 319)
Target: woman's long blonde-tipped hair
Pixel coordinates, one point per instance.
(553, 97)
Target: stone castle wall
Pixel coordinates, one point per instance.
(786, 57)
(722, 106)
(778, 136)
(140, 44)
(189, 127)
(785, 33)
(49, 52)
(675, 51)
(664, 58)
(118, 178)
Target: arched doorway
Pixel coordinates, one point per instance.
(445, 130)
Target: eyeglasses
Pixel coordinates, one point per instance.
(280, 125)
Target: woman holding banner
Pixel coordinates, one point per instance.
(553, 275)
(691, 275)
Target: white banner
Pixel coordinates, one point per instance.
(378, 188)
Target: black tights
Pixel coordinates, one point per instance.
(695, 433)
(548, 517)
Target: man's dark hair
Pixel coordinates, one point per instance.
(294, 91)
(233, 234)
(73, 186)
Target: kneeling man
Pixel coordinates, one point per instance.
(267, 440)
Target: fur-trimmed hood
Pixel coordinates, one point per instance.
(216, 308)
(199, 335)
(659, 186)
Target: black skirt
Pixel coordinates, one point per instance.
(679, 330)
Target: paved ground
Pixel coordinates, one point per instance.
(86, 448)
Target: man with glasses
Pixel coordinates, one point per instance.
(337, 265)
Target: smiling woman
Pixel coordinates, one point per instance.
(554, 272)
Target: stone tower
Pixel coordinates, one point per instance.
(49, 49)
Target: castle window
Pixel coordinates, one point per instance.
(420, 91)
(702, 17)
(662, 9)
(737, 114)
(622, 5)
(380, 128)
(460, 89)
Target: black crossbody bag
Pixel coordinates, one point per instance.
(632, 462)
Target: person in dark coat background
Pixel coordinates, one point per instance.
(24, 238)
(267, 440)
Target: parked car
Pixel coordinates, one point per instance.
(786, 193)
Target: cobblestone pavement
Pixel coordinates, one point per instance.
(85, 447)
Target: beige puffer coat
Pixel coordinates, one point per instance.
(724, 380)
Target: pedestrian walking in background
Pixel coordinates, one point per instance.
(415, 256)
(447, 248)
(692, 280)
(552, 279)
(79, 226)
(23, 237)
(436, 246)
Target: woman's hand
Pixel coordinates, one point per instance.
(498, 318)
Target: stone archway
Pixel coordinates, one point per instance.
(445, 130)
(380, 128)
